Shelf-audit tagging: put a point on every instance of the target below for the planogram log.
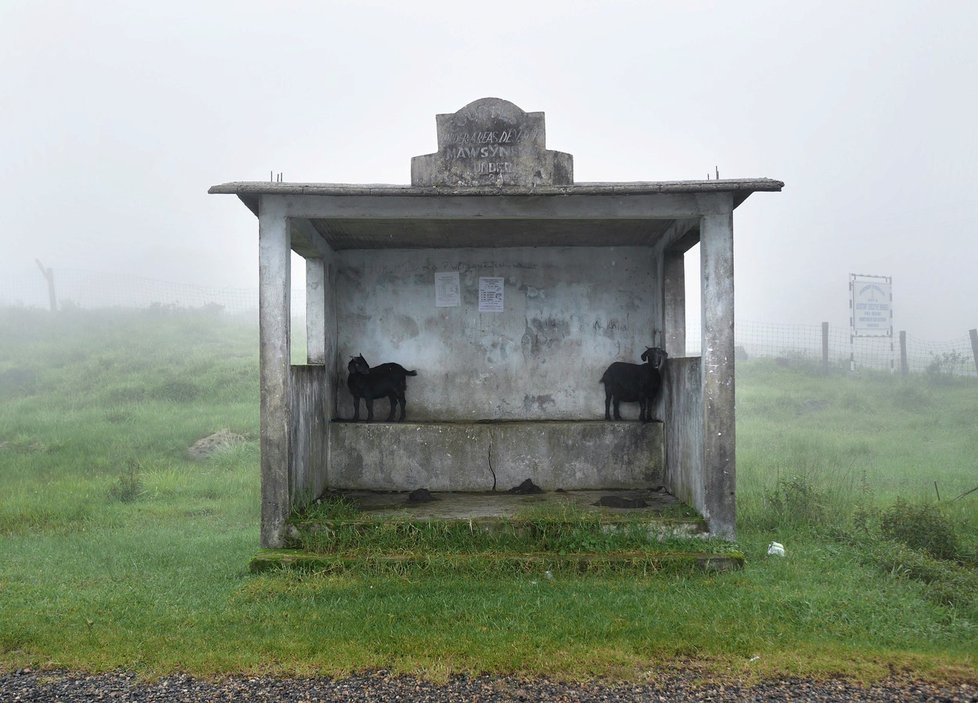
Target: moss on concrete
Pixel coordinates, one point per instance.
(544, 565)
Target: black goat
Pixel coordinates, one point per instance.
(634, 382)
(384, 380)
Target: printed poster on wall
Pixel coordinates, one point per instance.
(490, 294)
(447, 290)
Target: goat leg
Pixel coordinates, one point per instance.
(392, 399)
(617, 409)
(370, 408)
(356, 409)
(607, 406)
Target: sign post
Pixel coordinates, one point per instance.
(870, 311)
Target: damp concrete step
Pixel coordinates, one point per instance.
(636, 564)
(573, 521)
(636, 532)
(488, 534)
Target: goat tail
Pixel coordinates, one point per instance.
(410, 373)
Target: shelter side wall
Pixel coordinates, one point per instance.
(309, 443)
(567, 314)
(682, 402)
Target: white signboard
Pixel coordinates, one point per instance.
(871, 302)
(490, 294)
(447, 290)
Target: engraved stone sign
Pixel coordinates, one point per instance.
(492, 142)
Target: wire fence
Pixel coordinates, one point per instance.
(790, 343)
(804, 344)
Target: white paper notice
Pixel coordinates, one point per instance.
(447, 290)
(490, 294)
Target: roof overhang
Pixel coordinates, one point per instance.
(583, 214)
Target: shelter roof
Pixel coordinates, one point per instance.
(741, 187)
(365, 216)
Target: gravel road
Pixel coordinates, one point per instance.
(380, 687)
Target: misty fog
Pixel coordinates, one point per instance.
(116, 117)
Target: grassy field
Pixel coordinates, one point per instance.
(119, 551)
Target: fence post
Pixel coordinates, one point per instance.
(974, 345)
(48, 274)
(904, 366)
(825, 347)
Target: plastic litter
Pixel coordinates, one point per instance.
(775, 549)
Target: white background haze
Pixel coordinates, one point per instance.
(115, 118)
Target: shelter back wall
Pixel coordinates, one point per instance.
(569, 312)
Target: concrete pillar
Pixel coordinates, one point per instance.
(674, 302)
(315, 311)
(719, 446)
(274, 313)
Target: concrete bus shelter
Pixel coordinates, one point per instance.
(509, 289)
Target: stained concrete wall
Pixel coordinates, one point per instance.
(309, 436)
(682, 412)
(482, 456)
(569, 312)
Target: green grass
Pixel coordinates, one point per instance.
(872, 432)
(119, 551)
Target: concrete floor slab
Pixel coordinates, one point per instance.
(469, 506)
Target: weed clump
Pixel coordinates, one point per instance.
(947, 583)
(923, 528)
(946, 366)
(916, 542)
(128, 487)
(327, 509)
(794, 501)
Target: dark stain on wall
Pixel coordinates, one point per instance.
(403, 327)
(540, 401)
(542, 335)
